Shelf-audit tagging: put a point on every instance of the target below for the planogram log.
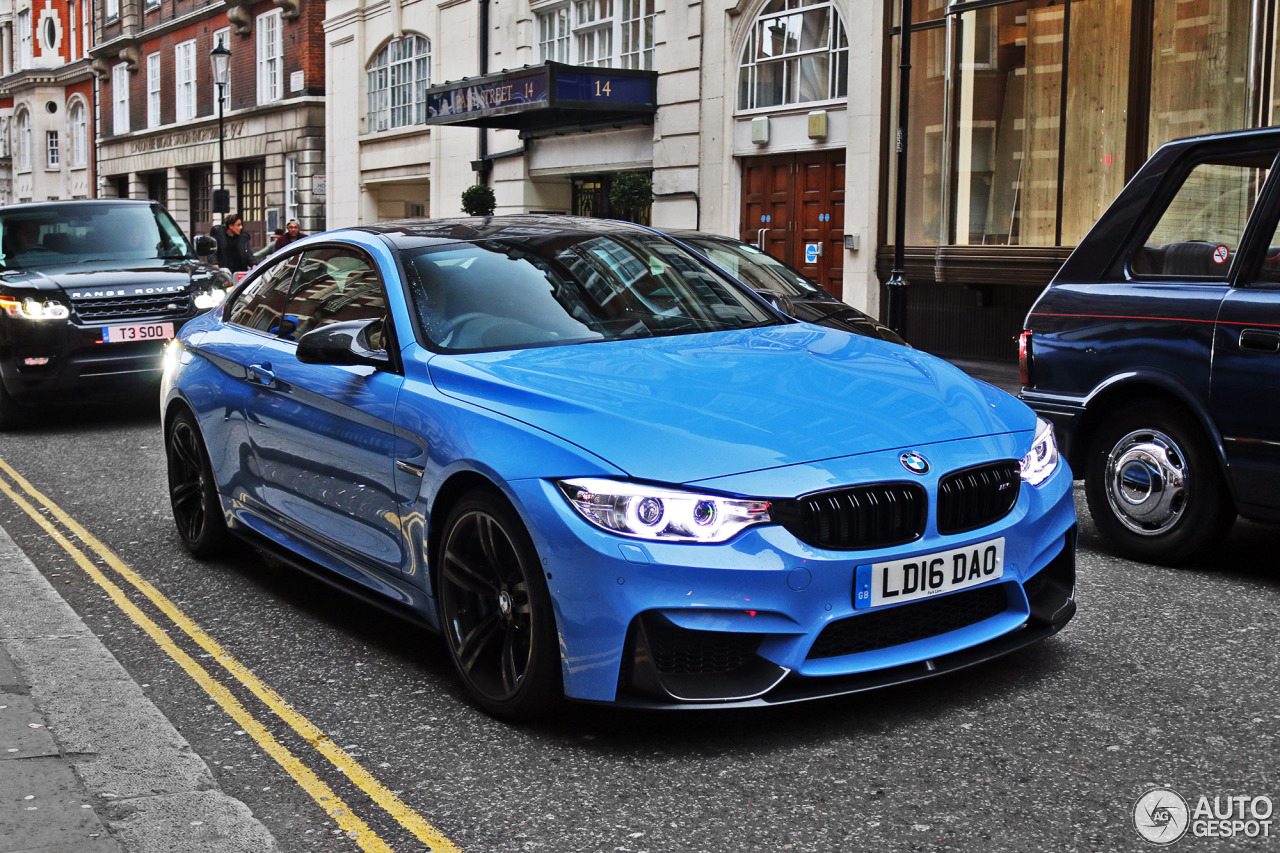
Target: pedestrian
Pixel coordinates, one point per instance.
(292, 231)
(233, 244)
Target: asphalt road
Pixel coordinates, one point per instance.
(1165, 678)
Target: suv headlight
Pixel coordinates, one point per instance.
(33, 309)
(662, 514)
(207, 299)
(1042, 459)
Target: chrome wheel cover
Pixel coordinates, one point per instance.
(1147, 482)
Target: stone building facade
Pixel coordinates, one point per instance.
(158, 130)
(46, 100)
(752, 127)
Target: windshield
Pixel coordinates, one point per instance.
(755, 268)
(72, 234)
(570, 288)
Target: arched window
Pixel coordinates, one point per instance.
(24, 141)
(398, 80)
(797, 52)
(79, 133)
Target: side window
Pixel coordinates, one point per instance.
(261, 305)
(333, 286)
(1199, 232)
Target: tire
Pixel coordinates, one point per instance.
(197, 512)
(495, 611)
(1154, 486)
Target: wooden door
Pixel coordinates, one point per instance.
(792, 203)
(767, 203)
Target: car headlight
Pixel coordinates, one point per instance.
(207, 299)
(1042, 459)
(662, 514)
(33, 309)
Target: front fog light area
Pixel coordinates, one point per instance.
(653, 512)
(1042, 459)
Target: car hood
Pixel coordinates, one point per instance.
(110, 278)
(689, 407)
(838, 315)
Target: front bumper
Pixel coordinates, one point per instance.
(659, 624)
(79, 365)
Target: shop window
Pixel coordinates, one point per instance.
(925, 132)
(797, 52)
(1199, 69)
(398, 79)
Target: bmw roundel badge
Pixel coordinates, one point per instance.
(914, 462)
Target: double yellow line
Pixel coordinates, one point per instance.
(306, 778)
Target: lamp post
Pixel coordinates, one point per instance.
(896, 286)
(220, 59)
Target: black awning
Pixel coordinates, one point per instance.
(545, 96)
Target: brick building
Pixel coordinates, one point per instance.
(46, 100)
(158, 131)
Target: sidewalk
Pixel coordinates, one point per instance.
(87, 763)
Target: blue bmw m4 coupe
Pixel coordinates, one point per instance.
(605, 470)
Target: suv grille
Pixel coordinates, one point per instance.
(978, 496)
(131, 307)
(872, 516)
(881, 629)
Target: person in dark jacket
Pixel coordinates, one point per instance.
(233, 244)
(292, 231)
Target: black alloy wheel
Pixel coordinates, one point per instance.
(197, 511)
(495, 610)
(1154, 487)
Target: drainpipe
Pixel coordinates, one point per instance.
(483, 164)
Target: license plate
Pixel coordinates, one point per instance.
(898, 581)
(137, 332)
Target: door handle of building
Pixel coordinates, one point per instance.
(261, 373)
(1260, 340)
(760, 237)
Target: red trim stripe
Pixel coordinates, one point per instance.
(1251, 324)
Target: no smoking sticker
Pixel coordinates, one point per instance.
(1220, 254)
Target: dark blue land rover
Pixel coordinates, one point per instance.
(1155, 350)
(90, 291)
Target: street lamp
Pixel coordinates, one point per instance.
(220, 59)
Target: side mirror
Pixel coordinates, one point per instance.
(206, 245)
(355, 342)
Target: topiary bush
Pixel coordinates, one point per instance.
(478, 200)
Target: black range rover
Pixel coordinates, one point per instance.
(90, 291)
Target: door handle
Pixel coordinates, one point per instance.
(1260, 340)
(261, 372)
